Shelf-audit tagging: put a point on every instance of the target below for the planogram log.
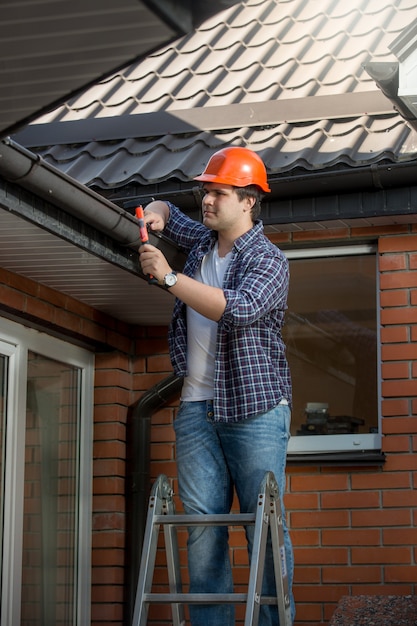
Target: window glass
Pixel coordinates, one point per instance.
(331, 337)
(3, 404)
(50, 492)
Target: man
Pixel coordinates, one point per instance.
(225, 340)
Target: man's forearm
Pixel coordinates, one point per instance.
(206, 300)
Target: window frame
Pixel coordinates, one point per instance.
(15, 342)
(343, 443)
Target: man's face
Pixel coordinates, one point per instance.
(222, 210)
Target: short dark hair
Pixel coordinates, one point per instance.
(251, 191)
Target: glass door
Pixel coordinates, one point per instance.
(46, 456)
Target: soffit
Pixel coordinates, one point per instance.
(50, 50)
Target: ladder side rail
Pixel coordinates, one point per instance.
(148, 557)
(280, 563)
(257, 562)
(173, 566)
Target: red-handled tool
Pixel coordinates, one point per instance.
(143, 232)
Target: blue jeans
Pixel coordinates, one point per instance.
(212, 459)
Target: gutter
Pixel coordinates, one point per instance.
(138, 476)
(28, 170)
(19, 165)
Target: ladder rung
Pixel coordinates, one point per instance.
(230, 519)
(203, 598)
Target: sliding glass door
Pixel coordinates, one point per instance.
(46, 435)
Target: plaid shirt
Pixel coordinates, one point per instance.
(251, 370)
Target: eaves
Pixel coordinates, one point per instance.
(58, 232)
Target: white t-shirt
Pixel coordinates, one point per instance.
(202, 333)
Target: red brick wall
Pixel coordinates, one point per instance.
(354, 528)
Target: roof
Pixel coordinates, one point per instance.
(51, 50)
(283, 77)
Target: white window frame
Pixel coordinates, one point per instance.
(15, 342)
(347, 442)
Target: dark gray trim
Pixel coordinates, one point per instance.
(213, 118)
(338, 459)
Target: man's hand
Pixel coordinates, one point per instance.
(156, 215)
(153, 262)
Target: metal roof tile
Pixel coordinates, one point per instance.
(256, 52)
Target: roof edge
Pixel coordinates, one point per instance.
(251, 114)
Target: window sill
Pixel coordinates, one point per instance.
(339, 459)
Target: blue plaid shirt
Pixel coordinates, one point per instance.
(251, 370)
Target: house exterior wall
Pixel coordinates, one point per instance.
(354, 528)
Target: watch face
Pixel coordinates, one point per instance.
(170, 280)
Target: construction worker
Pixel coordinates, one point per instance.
(233, 423)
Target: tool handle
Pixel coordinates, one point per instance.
(143, 233)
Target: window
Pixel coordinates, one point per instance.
(332, 349)
(46, 423)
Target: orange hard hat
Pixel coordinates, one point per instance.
(235, 166)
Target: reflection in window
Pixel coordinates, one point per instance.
(332, 344)
(51, 493)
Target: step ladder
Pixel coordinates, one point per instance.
(161, 512)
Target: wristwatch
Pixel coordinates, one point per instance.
(170, 280)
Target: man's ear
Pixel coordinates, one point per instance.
(249, 203)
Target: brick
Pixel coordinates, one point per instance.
(401, 462)
(162, 434)
(159, 363)
(394, 408)
(109, 430)
(386, 590)
(395, 334)
(398, 280)
(394, 297)
(351, 537)
(312, 556)
(109, 502)
(319, 519)
(300, 501)
(398, 315)
(395, 388)
(399, 498)
(307, 613)
(396, 443)
(319, 483)
(321, 593)
(162, 451)
(381, 555)
(399, 425)
(111, 557)
(401, 573)
(381, 480)
(389, 517)
(321, 235)
(109, 450)
(399, 352)
(404, 243)
(305, 537)
(307, 574)
(352, 574)
(350, 500)
(395, 370)
(392, 262)
(113, 378)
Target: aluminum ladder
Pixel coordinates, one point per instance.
(161, 512)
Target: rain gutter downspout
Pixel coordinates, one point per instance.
(138, 476)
